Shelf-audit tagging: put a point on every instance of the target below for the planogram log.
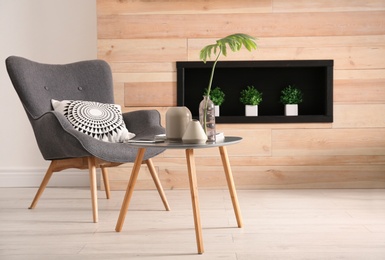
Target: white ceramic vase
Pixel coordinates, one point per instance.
(291, 110)
(251, 110)
(194, 133)
(177, 119)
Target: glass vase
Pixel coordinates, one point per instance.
(207, 118)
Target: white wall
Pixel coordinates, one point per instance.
(48, 31)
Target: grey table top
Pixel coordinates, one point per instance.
(180, 145)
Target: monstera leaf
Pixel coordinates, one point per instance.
(234, 42)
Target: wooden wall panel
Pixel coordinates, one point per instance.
(144, 77)
(344, 57)
(142, 40)
(142, 67)
(261, 177)
(302, 6)
(184, 7)
(216, 25)
(149, 94)
(350, 91)
(138, 50)
(298, 142)
(359, 115)
(361, 57)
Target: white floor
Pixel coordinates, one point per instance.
(279, 224)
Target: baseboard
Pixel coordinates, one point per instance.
(32, 177)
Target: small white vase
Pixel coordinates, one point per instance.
(251, 110)
(291, 110)
(194, 133)
(177, 119)
(217, 109)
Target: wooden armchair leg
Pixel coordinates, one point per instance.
(43, 184)
(106, 181)
(93, 186)
(158, 184)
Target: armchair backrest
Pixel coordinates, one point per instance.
(37, 83)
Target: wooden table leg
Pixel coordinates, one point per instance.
(230, 184)
(194, 198)
(130, 189)
(158, 184)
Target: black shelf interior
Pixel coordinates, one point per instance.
(313, 77)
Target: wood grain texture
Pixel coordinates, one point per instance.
(348, 57)
(149, 94)
(142, 50)
(142, 40)
(359, 115)
(328, 6)
(351, 91)
(142, 67)
(299, 142)
(183, 7)
(162, 26)
(267, 177)
(278, 224)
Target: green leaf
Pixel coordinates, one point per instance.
(233, 41)
(205, 53)
(251, 96)
(291, 95)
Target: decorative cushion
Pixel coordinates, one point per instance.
(101, 121)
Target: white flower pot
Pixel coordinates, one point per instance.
(251, 110)
(216, 109)
(291, 110)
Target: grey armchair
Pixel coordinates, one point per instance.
(58, 141)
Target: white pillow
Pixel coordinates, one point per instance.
(101, 121)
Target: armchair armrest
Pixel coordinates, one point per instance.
(144, 123)
(58, 139)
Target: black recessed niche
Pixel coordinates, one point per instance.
(313, 77)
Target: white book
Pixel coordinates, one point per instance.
(144, 140)
(161, 137)
(220, 137)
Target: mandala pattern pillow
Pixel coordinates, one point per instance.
(101, 121)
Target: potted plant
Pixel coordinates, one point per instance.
(291, 97)
(218, 97)
(235, 42)
(251, 98)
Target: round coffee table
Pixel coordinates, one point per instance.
(189, 149)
